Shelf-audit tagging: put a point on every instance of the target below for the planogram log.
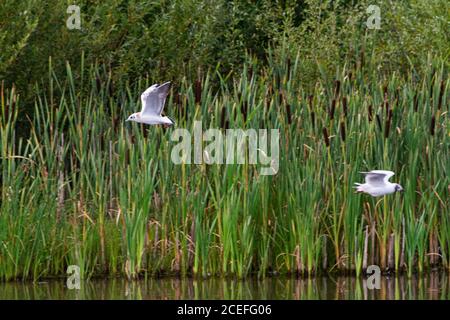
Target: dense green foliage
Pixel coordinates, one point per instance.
(172, 39)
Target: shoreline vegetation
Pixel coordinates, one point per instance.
(86, 188)
(80, 186)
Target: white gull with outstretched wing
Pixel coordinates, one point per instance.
(153, 100)
(377, 183)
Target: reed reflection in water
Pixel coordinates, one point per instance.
(433, 286)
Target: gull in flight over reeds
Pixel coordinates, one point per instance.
(153, 100)
(377, 183)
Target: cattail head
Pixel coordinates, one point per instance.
(198, 91)
(337, 87)
(361, 57)
(344, 106)
(310, 102)
(441, 94)
(433, 79)
(332, 109)
(388, 124)
(115, 123)
(342, 131)
(281, 97)
(397, 95)
(177, 99)
(244, 108)
(234, 113)
(379, 122)
(111, 88)
(370, 113)
(98, 82)
(313, 119)
(432, 125)
(277, 81)
(288, 113)
(223, 117)
(250, 72)
(325, 136)
(268, 97)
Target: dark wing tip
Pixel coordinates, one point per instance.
(164, 88)
(164, 84)
(173, 121)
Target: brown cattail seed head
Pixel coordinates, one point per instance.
(344, 106)
(332, 109)
(313, 119)
(342, 131)
(198, 91)
(337, 88)
(441, 95)
(288, 113)
(223, 117)
(325, 137)
(379, 122)
(432, 125)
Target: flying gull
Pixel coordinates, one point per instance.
(153, 100)
(377, 183)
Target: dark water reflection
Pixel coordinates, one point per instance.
(431, 286)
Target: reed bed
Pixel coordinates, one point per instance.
(83, 187)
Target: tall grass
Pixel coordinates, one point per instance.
(86, 188)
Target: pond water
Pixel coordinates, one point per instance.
(433, 286)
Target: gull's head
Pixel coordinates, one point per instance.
(132, 117)
(398, 188)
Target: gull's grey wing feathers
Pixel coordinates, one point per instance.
(153, 99)
(147, 101)
(378, 177)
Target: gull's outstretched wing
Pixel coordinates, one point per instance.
(153, 99)
(378, 177)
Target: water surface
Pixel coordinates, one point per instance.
(433, 286)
